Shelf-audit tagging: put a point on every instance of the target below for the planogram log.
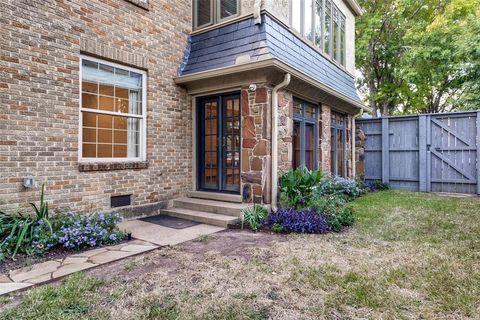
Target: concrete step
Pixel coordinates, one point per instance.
(236, 198)
(214, 219)
(218, 207)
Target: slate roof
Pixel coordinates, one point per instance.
(220, 47)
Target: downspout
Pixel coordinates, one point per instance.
(257, 9)
(354, 136)
(274, 169)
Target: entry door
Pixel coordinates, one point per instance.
(219, 143)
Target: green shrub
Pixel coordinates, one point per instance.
(297, 187)
(30, 234)
(254, 216)
(328, 203)
(350, 188)
(343, 218)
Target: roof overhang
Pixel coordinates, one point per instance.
(356, 8)
(267, 70)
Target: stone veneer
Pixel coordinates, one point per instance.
(40, 52)
(256, 144)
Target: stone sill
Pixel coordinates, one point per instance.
(144, 4)
(111, 166)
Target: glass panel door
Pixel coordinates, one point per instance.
(219, 143)
(231, 143)
(209, 128)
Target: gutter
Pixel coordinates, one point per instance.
(274, 180)
(266, 63)
(354, 128)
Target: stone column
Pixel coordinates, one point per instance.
(349, 146)
(359, 151)
(256, 144)
(325, 139)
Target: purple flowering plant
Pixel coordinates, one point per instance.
(290, 220)
(76, 231)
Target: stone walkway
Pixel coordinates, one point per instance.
(148, 236)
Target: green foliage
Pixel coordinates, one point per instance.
(277, 228)
(35, 234)
(29, 234)
(254, 216)
(419, 56)
(70, 301)
(327, 203)
(345, 217)
(297, 187)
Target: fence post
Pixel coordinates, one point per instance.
(478, 152)
(385, 151)
(422, 153)
(428, 168)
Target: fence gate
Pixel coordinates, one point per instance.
(429, 153)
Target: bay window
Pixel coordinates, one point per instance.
(112, 107)
(305, 135)
(208, 12)
(321, 22)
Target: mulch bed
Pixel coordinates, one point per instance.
(23, 260)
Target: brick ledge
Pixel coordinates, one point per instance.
(110, 166)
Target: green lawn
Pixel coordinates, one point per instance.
(408, 256)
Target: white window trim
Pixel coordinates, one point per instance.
(311, 42)
(214, 14)
(143, 116)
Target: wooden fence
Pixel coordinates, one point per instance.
(427, 153)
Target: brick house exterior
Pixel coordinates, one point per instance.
(42, 45)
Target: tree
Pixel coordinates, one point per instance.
(419, 56)
(438, 67)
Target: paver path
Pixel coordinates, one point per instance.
(148, 236)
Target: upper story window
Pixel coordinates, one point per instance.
(208, 12)
(321, 22)
(113, 111)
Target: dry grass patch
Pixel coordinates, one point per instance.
(408, 256)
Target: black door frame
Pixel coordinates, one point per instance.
(221, 136)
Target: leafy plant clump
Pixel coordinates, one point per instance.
(340, 219)
(25, 233)
(291, 220)
(78, 231)
(37, 233)
(297, 187)
(254, 216)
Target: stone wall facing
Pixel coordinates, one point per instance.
(40, 46)
(256, 144)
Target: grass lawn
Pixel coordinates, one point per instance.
(408, 256)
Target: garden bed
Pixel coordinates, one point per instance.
(408, 256)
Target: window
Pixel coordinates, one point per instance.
(307, 18)
(207, 12)
(339, 144)
(321, 22)
(305, 135)
(112, 107)
(328, 28)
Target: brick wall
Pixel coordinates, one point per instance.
(40, 46)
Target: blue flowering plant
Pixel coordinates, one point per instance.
(76, 231)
